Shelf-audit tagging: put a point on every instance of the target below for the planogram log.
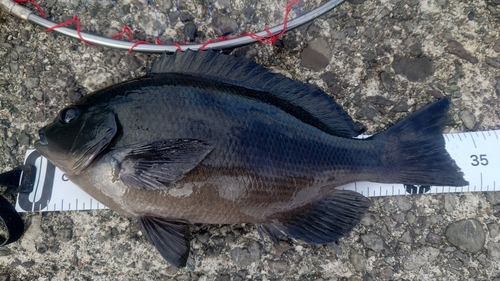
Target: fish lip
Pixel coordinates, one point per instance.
(42, 141)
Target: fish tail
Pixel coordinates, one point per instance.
(415, 150)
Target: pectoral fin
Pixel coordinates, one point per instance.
(170, 237)
(152, 165)
(320, 222)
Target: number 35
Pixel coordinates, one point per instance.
(481, 159)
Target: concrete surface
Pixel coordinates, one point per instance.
(384, 59)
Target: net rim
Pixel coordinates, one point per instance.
(155, 48)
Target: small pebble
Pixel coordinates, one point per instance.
(420, 257)
(316, 55)
(497, 85)
(468, 118)
(244, 256)
(225, 24)
(406, 237)
(494, 250)
(494, 62)
(132, 62)
(38, 95)
(467, 235)
(433, 238)
(190, 31)
(456, 48)
(493, 197)
(373, 241)
(31, 82)
(278, 265)
(357, 260)
(496, 47)
(493, 229)
(386, 80)
(414, 69)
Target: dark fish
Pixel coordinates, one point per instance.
(209, 138)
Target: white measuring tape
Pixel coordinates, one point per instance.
(476, 153)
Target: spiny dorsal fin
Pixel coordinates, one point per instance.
(304, 101)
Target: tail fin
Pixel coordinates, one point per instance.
(415, 150)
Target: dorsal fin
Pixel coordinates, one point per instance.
(304, 101)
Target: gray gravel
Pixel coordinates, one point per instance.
(387, 59)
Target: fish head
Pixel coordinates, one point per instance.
(77, 136)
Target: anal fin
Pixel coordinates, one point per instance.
(320, 222)
(171, 238)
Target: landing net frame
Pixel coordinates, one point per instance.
(26, 14)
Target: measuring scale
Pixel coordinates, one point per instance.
(476, 153)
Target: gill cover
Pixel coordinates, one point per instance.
(77, 137)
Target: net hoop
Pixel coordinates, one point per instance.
(24, 13)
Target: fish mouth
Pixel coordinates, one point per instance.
(42, 141)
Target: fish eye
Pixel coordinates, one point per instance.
(68, 114)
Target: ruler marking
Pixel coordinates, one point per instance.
(458, 135)
(447, 139)
(495, 134)
(481, 181)
(483, 135)
(77, 204)
(473, 141)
